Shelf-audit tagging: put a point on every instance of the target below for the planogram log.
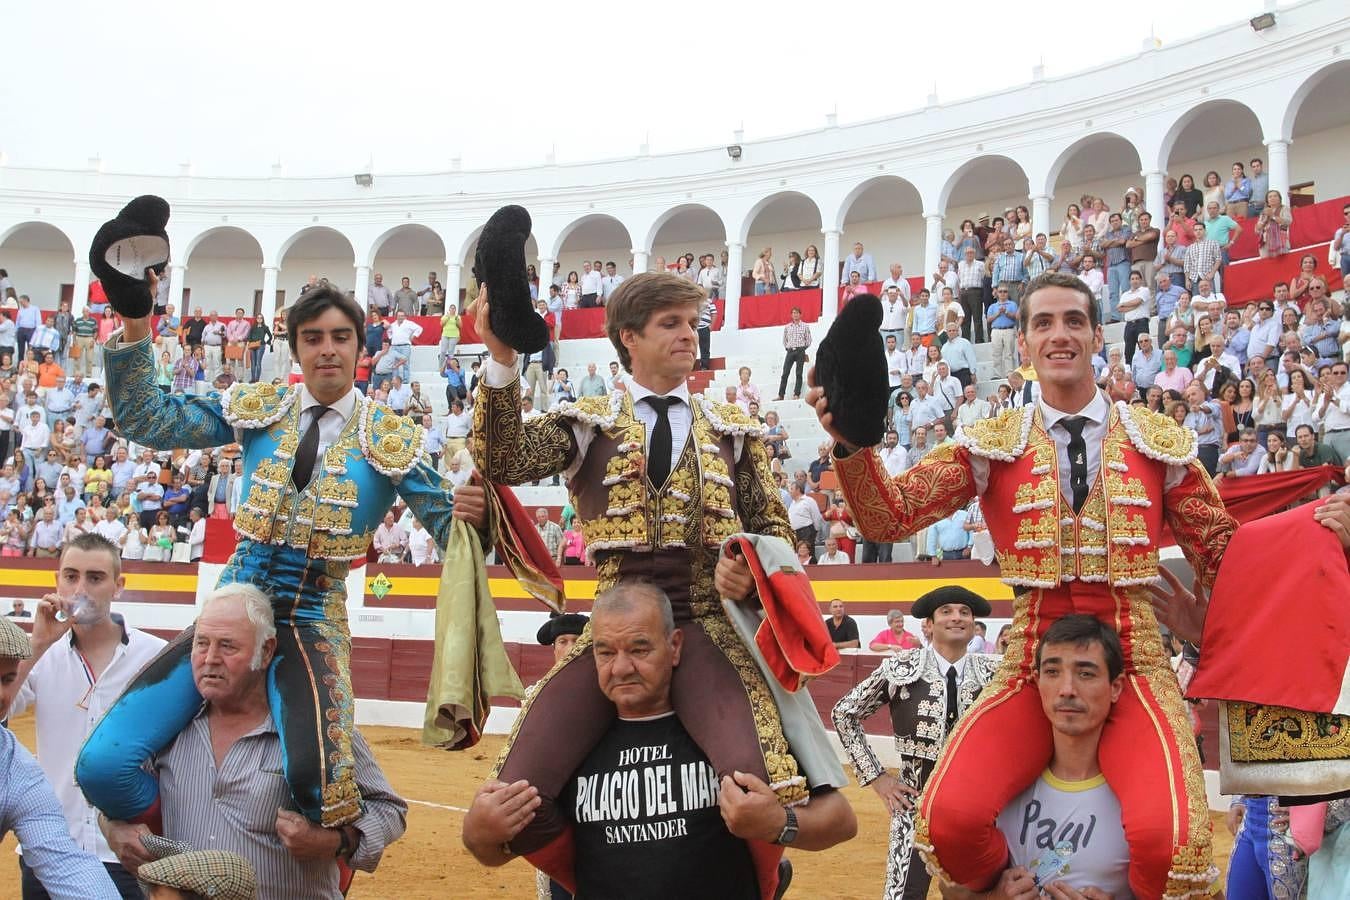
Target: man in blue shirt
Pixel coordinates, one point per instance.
(959, 354)
(1235, 336)
(26, 321)
(861, 263)
(948, 538)
(1001, 318)
(60, 402)
(1206, 420)
(1165, 303)
(1117, 264)
(1147, 363)
(29, 808)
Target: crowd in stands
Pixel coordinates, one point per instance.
(1263, 384)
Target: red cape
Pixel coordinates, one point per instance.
(1278, 627)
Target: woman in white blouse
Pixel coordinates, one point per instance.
(1296, 405)
(1071, 229)
(809, 272)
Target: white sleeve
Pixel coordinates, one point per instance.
(496, 375)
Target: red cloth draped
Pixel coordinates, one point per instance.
(792, 636)
(1245, 623)
(1252, 279)
(521, 547)
(1257, 496)
(1317, 223)
(776, 309)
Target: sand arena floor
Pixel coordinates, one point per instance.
(429, 861)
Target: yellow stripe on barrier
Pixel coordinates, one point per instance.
(136, 581)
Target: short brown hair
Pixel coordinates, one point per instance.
(1055, 279)
(314, 303)
(633, 303)
(93, 542)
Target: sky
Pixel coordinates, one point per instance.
(408, 85)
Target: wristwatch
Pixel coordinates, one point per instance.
(789, 832)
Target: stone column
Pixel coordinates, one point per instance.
(932, 246)
(640, 261)
(177, 274)
(453, 274)
(1155, 186)
(362, 287)
(80, 297)
(1040, 216)
(1277, 166)
(829, 282)
(268, 307)
(732, 289)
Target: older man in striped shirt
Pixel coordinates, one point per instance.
(221, 781)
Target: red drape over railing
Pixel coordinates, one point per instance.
(1257, 496)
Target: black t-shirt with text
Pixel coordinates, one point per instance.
(644, 804)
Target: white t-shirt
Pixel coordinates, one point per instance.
(1069, 831)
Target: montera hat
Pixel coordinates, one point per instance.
(556, 627)
(930, 602)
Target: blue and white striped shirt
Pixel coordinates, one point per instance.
(29, 808)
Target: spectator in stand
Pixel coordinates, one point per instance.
(833, 556)
(896, 279)
(1135, 308)
(592, 284)
(379, 299)
(175, 500)
(450, 328)
(1173, 377)
(894, 636)
(842, 628)
(213, 339)
(823, 462)
(1296, 407)
(1273, 224)
(1243, 458)
(1142, 246)
(401, 336)
(895, 362)
(1001, 319)
(860, 262)
(1113, 241)
(612, 279)
(405, 298)
(50, 372)
(1212, 191)
(707, 313)
(766, 280)
(84, 336)
(592, 385)
(1237, 193)
(804, 514)
(259, 342)
(418, 403)
(189, 371)
(1260, 187)
(746, 393)
(551, 534)
(560, 389)
(1331, 409)
(391, 540)
(570, 291)
(970, 273)
(1092, 276)
(1087, 245)
(160, 540)
(894, 312)
(26, 322)
(1313, 453)
(775, 436)
(1204, 417)
(1338, 252)
(236, 338)
(573, 545)
(1181, 224)
(959, 354)
(1071, 229)
(1036, 256)
(854, 287)
(796, 340)
(1278, 456)
(790, 279)
(1203, 259)
(455, 388)
(1147, 362)
(972, 408)
(923, 319)
(1221, 228)
(1317, 331)
(809, 272)
(45, 537)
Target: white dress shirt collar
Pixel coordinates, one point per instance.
(943, 665)
(344, 407)
(1096, 411)
(638, 392)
